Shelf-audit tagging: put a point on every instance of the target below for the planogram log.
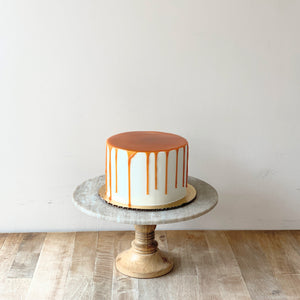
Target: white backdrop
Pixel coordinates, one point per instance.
(223, 74)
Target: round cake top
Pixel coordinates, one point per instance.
(146, 141)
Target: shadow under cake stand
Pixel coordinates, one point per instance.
(143, 259)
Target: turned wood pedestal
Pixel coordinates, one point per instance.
(143, 259)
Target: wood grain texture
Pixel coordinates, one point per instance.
(282, 250)
(123, 287)
(79, 284)
(182, 281)
(180, 249)
(27, 256)
(255, 267)
(84, 255)
(14, 288)
(54, 263)
(2, 239)
(205, 268)
(104, 265)
(143, 259)
(158, 288)
(228, 277)
(8, 252)
(233, 265)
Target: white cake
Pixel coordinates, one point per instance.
(146, 169)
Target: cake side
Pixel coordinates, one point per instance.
(147, 178)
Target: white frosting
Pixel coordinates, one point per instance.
(138, 178)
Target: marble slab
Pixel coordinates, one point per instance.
(86, 198)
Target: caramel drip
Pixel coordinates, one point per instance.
(183, 173)
(176, 168)
(109, 148)
(155, 154)
(187, 164)
(106, 168)
(130, 154)
(147, 155)
(116, 168)
(166, 182)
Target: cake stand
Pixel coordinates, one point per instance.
(143, 259)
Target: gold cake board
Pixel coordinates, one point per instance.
(190, 196)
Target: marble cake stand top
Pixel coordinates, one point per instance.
(86, 199)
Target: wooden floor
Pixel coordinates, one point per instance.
(208, 265)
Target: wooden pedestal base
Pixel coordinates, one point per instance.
(143, 259)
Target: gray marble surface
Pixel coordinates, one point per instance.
(86, 198)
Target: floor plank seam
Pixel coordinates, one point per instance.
(4, 239)
(95, 265)
(36, 266)
(237, 261)
(67, 276)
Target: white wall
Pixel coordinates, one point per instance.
(223, 74)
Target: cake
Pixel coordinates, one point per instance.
(147, 170)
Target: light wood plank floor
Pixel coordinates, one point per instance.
(208, 265)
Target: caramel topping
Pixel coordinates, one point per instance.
(146, 141)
